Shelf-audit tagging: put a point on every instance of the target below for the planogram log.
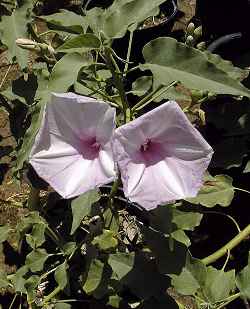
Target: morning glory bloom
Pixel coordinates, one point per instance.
(72, 150)
(161, 156)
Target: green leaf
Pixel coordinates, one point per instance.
(4, 282)
(81, 43)
(186, 220)
(61, 275)
(36, 238)
(31, 286)
(227, 66)
(13, 27)
(115, 21)
(69, 248)
(106, 240)
(243, 280)
(216, 190)
(218, 284)
(28, 221)
(142, 85)
(65, 72)
(114, 301)
(169, 260)
(121, 263)
(169, 60)
(36, 259)
(143, 279)
(111, 219)
(67, 21)
(181, 236)
(4, 232)
(18, 280)
(192, 277)
(62, 306)
(94, 276)
(81, 207)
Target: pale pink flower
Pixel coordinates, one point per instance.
(161, 156)
(72, 149)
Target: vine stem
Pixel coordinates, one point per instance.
(229, 300)
(129, 52)
(152, 96)
(228, 247)
(116, 73)
(13, 300)
(243, 190)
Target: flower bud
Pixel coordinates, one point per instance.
(27, 44)
(190, 28)
(190, 40)
(197, 32)
(202, 116)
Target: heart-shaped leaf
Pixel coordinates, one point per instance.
(216, 190)
(36, 259)
(243, 280)
(169, 60)
(81, 43)
(81, 207)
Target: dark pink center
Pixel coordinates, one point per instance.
(151, 152)
(90, 148)
(146, 145)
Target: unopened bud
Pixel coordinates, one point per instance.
(201, 46)
(202, 116)
(190, 40)
(190, 28)
(27, 44)
(197, 32)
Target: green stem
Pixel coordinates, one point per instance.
(152, 96)
(229, 246)
(229, 300)
(13, 300)
(111, 101)
(243, 190)
(45, 275)
(227, 259)
(114, 190)
(117, 81)
(129, 52)
(72, 301)
(51, 295)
